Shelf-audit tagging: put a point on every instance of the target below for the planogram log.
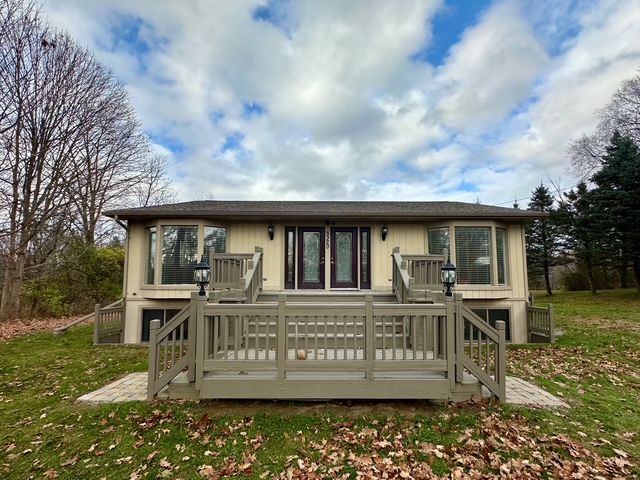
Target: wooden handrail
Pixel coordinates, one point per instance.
(59, 331)
(540, 322)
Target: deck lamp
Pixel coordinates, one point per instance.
(201, 275)
(385, 232)
(448, 277)
(272, 231)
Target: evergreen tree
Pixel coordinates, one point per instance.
(583, 238)
(616, 203)
(542, 236)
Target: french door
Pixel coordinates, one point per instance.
(311, 257)
(349, 249)
(344, 257)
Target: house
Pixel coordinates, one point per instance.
(332, 252)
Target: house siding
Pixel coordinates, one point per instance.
(242, 237)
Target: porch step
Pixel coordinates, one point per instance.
(323, 296)
(179, 389)
(332, 385)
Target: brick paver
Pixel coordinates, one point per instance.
(133, 387)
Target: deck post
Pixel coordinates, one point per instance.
(502, 360)
(198, 302)
(369, 335)
(191, 337)
(152, 374)
(281, 352)
(552, 325)
(459, 335)
(96, 324)
(450, 339)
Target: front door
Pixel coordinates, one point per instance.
(311, 257)
(344, 257)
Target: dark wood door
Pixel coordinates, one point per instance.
(311, 257)
(344, 257)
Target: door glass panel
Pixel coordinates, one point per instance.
(364, 258)
(291, 259)
(311, 259)
(344, 252)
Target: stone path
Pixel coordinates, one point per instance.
(521, 392)
(133, 387)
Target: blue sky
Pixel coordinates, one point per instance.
(376, 100)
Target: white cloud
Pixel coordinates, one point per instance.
(348, 114)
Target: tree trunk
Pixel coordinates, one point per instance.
(547, 281)
(7, 288)
(592, 282)
(622, 271)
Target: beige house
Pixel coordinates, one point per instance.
(313, 300)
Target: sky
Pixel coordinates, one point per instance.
(362, 100)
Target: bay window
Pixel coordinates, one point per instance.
(172, 251)
(438, 240)
(473, 255)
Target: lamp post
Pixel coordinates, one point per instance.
(448, 277)
(201, 275)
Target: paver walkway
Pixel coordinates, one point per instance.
(133, 387)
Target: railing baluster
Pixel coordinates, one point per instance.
(393, 335)
(414, 336)
(315, 343)
(404, 337)
(384, 338)
(344, 335)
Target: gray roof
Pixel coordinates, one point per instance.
(249, 210)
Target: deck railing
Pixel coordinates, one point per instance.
(425, 271)
(540, 324)
(108, 324)
(228, 269)
(169, 349)
(253, 276)
(480, 349)
(416, 278)
(293, 337)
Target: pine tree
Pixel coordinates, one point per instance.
(542, 236)
(616, 202)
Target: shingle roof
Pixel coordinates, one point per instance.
(323, 209)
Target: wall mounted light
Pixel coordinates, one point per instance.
(272, 231)
(385, 232)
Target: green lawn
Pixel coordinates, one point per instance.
(595, 366)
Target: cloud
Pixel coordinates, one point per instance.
(323, 100)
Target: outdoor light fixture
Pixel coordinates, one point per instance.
(201, 275)
(385, 231)
(448, 277)
(272, 231)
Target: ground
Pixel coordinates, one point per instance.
(595, 367)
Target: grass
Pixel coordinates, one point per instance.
(595, 367)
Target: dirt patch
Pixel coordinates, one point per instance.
(25, 326)
(602, 324)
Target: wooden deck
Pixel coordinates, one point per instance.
(409, 344)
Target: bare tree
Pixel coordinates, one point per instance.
(154, 187)
(621, 114)
(111, 156)
(50, 83)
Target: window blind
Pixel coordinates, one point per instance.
(501, 255)
(150, 275)
(438, 240)
(215, 240)
(179, 254)
(473, 255)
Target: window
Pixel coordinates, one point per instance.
(501, 255)
(438, 240)
(493, 315)
(179, 254)
(365, 265)
(473, 255)
(215, 240)
(290, 258)
(150, 274)
(156, 314)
